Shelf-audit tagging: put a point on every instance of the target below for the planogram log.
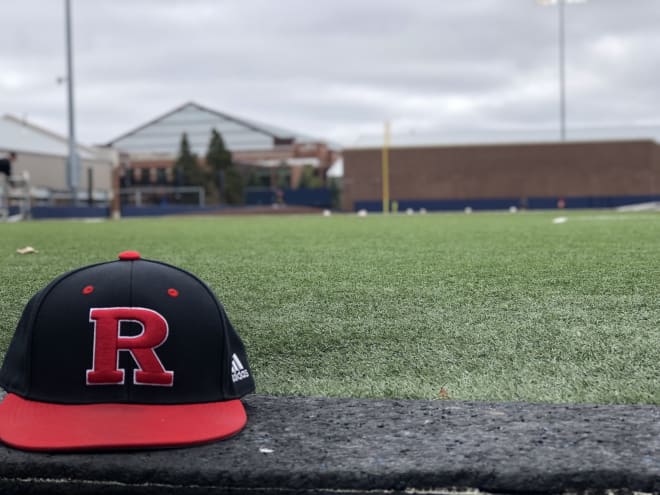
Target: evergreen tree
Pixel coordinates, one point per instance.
(218, 156)
(309, 179)
(186, 165)
(227, 181)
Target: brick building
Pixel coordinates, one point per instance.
(499, 175)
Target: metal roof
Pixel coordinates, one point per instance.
(20, 136)
(163, 134)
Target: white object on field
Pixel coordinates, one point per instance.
(559, 220)
(327, 213)
(27, 250)
(410, 211)
(362, 213)
(468, 209)
(513, 209)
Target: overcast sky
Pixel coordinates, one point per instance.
(335, 69)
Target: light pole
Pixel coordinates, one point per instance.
(562, 73)
(73, 163)
(561, 4)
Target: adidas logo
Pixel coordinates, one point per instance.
(238, 371)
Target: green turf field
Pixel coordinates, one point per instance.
(485, 306)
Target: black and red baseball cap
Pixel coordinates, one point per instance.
(126, 354)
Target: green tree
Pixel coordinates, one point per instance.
(335, 191)
(224, 178)
(309, 178)
(218, 156)
(187, 166)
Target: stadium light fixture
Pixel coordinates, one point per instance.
(562, 62)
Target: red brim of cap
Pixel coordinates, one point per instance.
(42, 426)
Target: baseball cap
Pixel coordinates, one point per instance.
(126, 354)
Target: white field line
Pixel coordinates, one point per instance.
(606, 218)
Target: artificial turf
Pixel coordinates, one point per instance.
(488, 306)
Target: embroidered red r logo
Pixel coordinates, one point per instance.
(108, 342)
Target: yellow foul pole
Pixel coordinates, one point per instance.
(386, 169)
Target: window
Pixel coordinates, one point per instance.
(161, 176)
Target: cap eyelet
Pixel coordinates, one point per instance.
(88, 289)
(172, 292)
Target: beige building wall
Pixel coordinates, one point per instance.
(50, 171)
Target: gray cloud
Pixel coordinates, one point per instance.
(332, 68)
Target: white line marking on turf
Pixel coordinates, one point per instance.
(606, 218)
(625, 216)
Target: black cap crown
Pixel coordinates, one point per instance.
(127, 331)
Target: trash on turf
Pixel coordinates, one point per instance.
(26, 250)
(264, 450)
(559, 220)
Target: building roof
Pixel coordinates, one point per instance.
(163, 134)
(21, 136)
(511, 137)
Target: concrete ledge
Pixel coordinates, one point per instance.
(315, 445)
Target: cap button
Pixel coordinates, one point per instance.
(129, 255)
